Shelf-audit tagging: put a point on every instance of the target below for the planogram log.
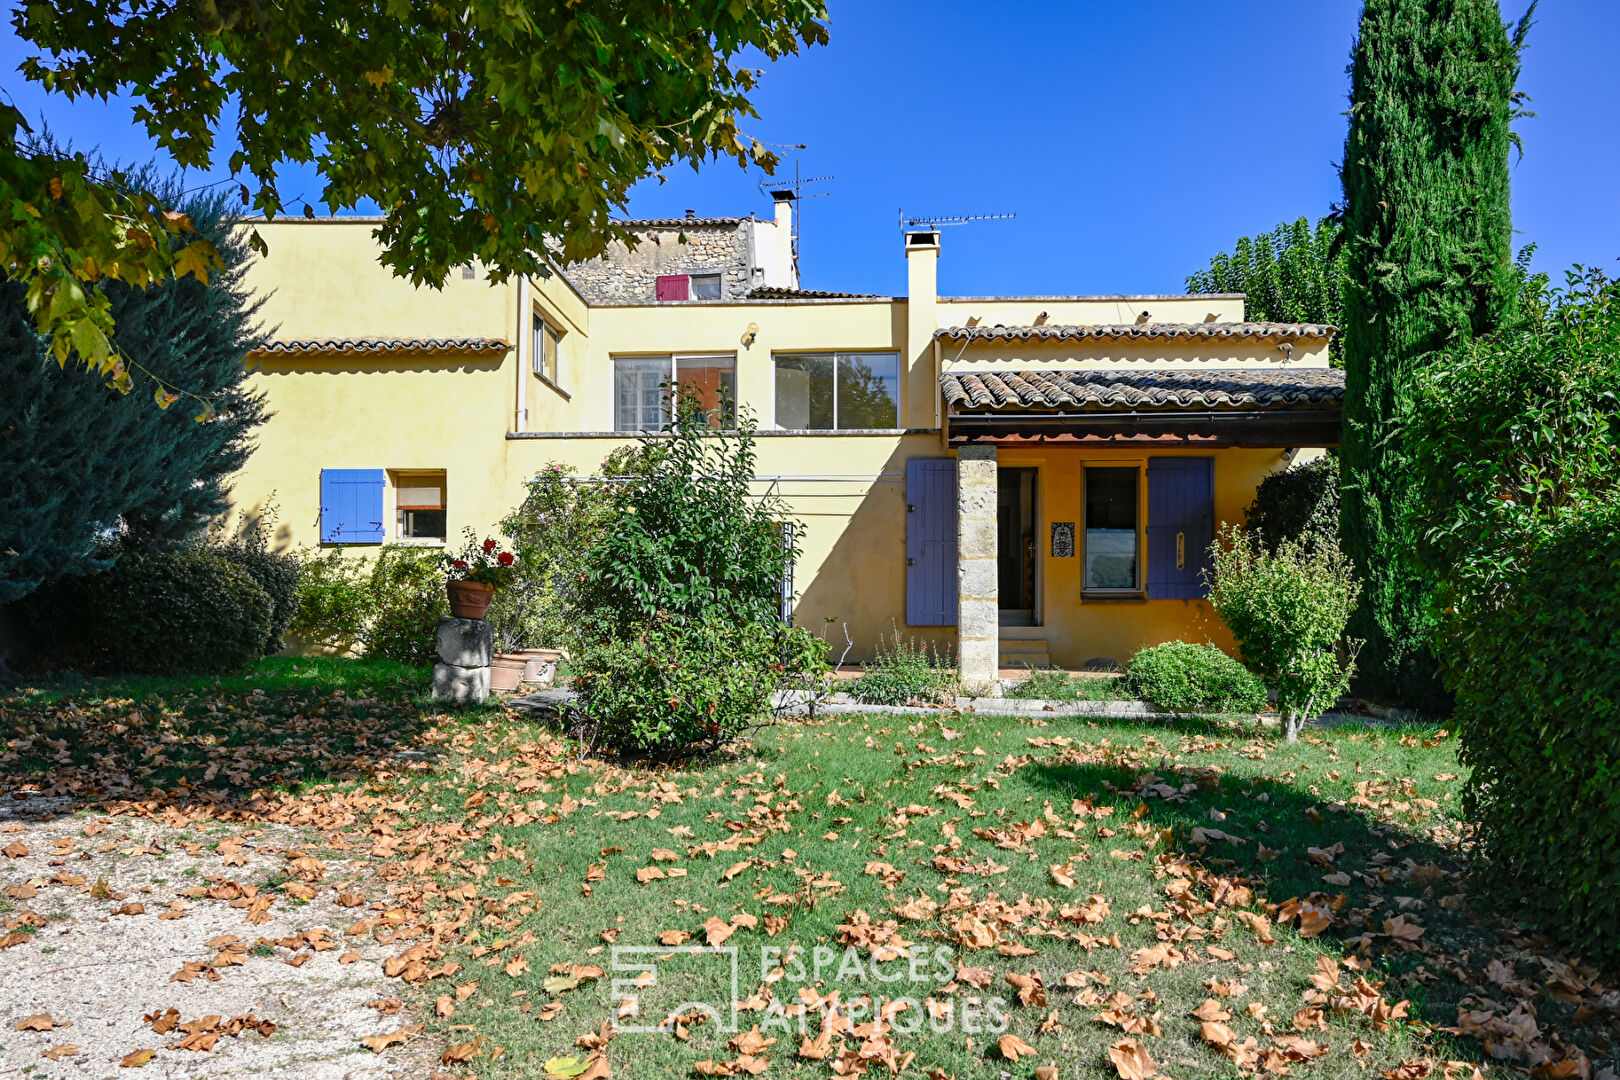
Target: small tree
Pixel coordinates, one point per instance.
(1288, 609)
(677, 624)
(1300, 503)
(686, 535)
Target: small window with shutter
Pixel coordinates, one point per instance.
(419, 506)
(673, 287)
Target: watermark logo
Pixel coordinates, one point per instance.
(902, 994)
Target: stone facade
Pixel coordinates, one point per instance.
(978, 622)
(712, 245)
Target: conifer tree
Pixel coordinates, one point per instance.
(1428, 260)
(79, 462)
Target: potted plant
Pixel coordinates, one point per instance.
(473, 576)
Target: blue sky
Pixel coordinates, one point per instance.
(1132, 138)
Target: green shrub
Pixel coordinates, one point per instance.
(905, 671)
(186, 611)
(685, 536)
(1288, 611)
(1300, 503)
(551, 531)
(407, 585)
(1185, 678)
(1538, 710)
(1053, 684)
(679, 686)
(276, 572)
(1517, 455)
(388, 606)
(675, 625)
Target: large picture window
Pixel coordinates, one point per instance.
(1112, 552)
(837, 391)
(641, 388)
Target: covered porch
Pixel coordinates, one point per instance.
(1085, 501)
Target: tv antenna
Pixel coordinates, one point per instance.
(797, 190)
(951, 219)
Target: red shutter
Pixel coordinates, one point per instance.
(674, 287)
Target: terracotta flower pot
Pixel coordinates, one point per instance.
(469, 599)
(540, 664)
(506, 671)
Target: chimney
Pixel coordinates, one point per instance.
(922, 319)
(782, 263)
(690, 214)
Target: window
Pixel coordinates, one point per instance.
(419, 507)
(688, 286)
(641, 389)
(838, 391)
(1111, 555)
(546, 362)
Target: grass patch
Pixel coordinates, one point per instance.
(1085, 859)
(1054, 684)
(846, 829)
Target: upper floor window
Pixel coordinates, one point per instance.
(641, 389)
(838, 391)
(689, 286)
(546, 364)
(419, 512)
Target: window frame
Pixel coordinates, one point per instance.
(398, 479)
(838, 355)
(719, 284)
(1138, 590)
(542, 330)
(671, 379)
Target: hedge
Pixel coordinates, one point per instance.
(1538, 707)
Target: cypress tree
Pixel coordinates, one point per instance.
(78, 462)
(1428, 260)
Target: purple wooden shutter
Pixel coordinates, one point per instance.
(1181, 502)
(931, 542)
(674, 287)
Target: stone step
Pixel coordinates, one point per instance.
(1030, 653)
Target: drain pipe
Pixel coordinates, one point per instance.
(520, 421)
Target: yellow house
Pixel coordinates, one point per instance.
(1029, 480)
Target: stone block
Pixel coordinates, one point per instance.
(977, 664)
(454, 685)
(467, 643)
(977, 579)
(976, 539)
(978, 620)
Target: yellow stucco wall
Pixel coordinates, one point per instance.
(490, 423)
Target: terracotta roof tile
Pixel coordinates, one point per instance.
(1097, 390)
(773, 292)
(680, 222)
(351, 346)
(1250, 331)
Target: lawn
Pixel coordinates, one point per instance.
(958, 896)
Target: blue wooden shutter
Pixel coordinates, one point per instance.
(1181, 500)
(931, 542)
(352, 506)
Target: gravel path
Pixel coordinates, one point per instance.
(108, 923)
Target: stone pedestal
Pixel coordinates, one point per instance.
(978, 622)
(466, 647)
